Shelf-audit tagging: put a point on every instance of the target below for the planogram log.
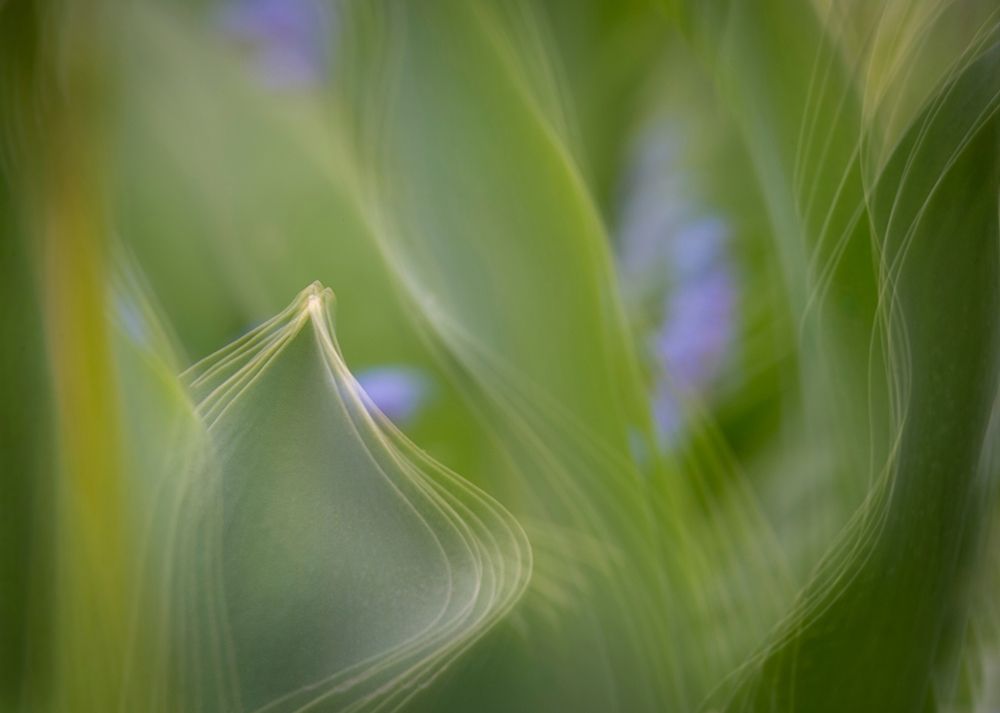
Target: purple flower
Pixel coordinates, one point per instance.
(397, 391)
(286, 41)
(673, 252)
(694, 341)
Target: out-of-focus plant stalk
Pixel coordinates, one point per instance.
(65, 211)
(91, 580)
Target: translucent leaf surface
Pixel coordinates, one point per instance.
(350, 568)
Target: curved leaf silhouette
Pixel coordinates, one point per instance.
(348, 567)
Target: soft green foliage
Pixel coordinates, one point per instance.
(250, 532)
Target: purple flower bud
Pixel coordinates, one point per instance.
(286, 41)
(397, 391)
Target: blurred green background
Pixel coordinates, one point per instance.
(658, 373)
